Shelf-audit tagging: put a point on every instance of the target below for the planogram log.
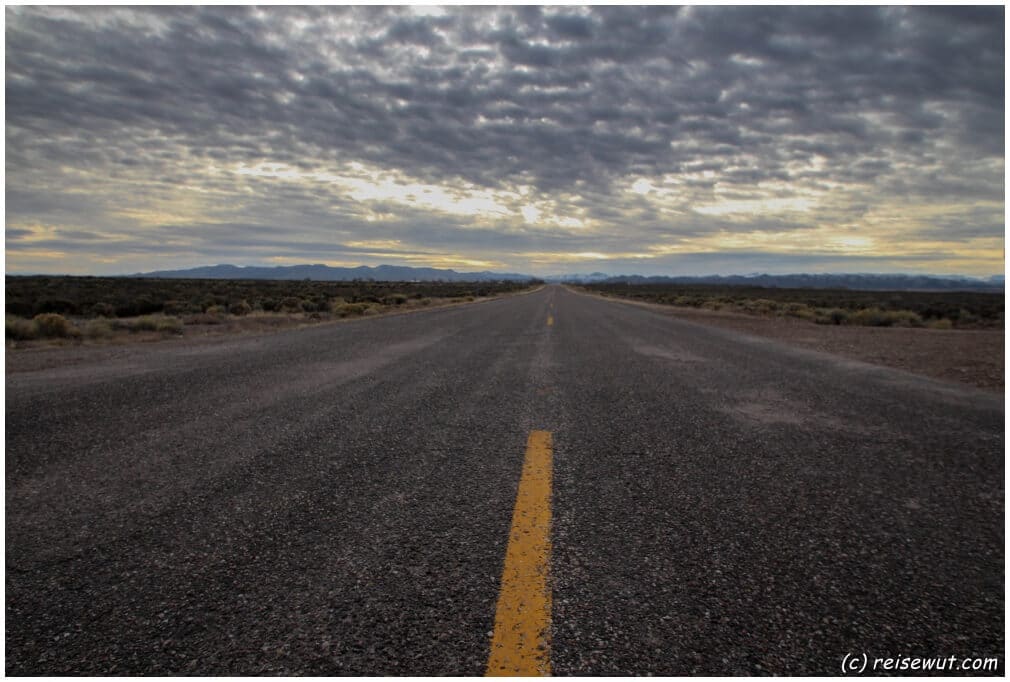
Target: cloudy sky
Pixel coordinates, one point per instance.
(561, 139)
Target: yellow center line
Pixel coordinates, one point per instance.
(520, 645)
(550, 320)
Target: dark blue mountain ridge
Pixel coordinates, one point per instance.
(403, 273)
(855, 281)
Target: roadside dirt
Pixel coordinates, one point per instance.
(974, 357)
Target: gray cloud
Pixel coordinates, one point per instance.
(105, 105)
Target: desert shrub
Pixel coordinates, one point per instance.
(98, 329)
(351, 309)
(315, 305)
(394, 299)
(203, 318)
(838, 315)
(56, 305)
(905, 318)
(102, 309)
(219, 300)
(800, 310)
(982, 309)
(425, 301)
(291, 304)
(168, 324)
(875, 317)
(20, 329)
(764, 306)
(54, 325)
(173, 307)
(157, 323)
(214, 310)
(141, 305)
(870, 317)
(144, 324)
(335, 303)
(831, 316)
(240, 308)
(940, 324)
(19, 308)
(964, 317)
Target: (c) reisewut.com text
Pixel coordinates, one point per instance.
(864, 663)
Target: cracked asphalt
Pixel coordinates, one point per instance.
(337, 500)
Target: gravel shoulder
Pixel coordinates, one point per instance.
(976, 358)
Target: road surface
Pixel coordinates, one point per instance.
(339, 499)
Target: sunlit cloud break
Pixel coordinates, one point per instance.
(656, 140)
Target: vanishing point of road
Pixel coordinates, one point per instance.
(543, 483)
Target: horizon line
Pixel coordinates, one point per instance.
(751, 274)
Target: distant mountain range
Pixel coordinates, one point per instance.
(401, 273)
(581, 279)
(865, 282)
(325, 273)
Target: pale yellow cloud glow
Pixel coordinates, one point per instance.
(756, 206)
(547, 258)
(430, 260)
(31, 254)
(375, 244)
(368, 184)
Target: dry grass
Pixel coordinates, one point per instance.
(51, 329)
(842, 307)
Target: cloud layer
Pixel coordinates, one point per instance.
(703, 139)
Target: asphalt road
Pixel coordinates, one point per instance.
(337, 500)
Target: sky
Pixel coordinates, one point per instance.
(552, 140)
